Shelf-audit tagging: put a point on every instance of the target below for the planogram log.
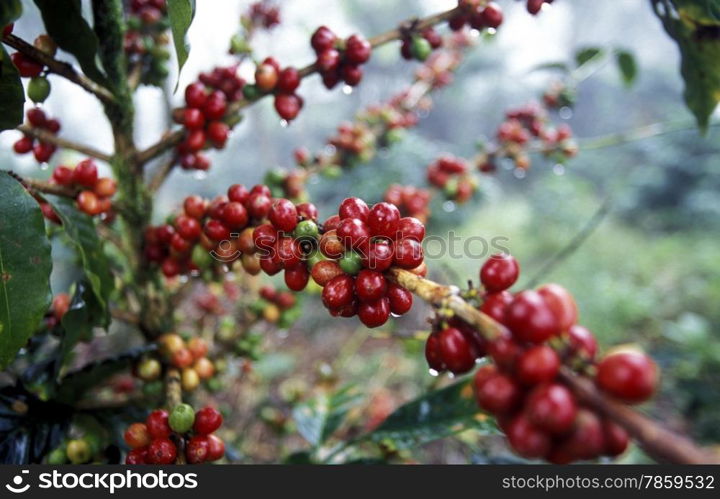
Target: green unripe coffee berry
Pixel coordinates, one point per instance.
(275, 176)
(306, 229)
(153, 389)
(182, 418)
(420, 48)
(38, 89)
(201, 257)
(314, 258)
(350, 262)
(332, 172)
(57, 456)
(251, 92)
(78, 451)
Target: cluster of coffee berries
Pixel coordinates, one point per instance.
(188, 356)
(95, 196)
(530, 122)
(287, 184)
(420, 45)
(219, 230)
(165, 434)
(42, 151)
(540, 416)
(477, 15)
(283, 82)
(535, 6)
(276, 306)
(411, 201)
(226, 79)
(558, 95)
(87, 448)
(146, 39)
(452, 175)
(358, 245)
(339, 60)
(59, 306)
(264, 14)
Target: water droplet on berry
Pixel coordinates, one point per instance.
(284, 123)
(194, 273)
(451, 375)
(491, 31)
(449, 206)
(44, 166)
(565, 113)
(183, 279)
(347, 89)
(329, 149)
(200, 175)
(559, 169)
(433, 372)
(519, 173)
(395, 315)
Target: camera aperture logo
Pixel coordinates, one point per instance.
(111, 481)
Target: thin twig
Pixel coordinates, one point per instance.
(162, 173)
(656, 440)
(46, 136)
(44, 187)
(58, 67)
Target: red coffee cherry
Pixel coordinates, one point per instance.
(161, 451)
(170, 267)
(324, 271)
(258, 205)
(195, 95)
(266, 77)
(137, 456)
(288, 106)
(27, 67)
(631, 376)
(215, 106)
(216, 230)
(374, 313)
(330, 245)
(216, 448)
(218, 133)
(552, 408)
(432, 353)
(23, 145)
(297, 277)
(561, 303)
(497, 393)
(105, 187)
(379, 256)
(328, 62)
(207, 420)
(353, 233)
(411, 228)
(137, 435)
(357, 49)
(238, 193)
(527, 440)
(322, 39)
(308, 211)
(384, 220)
(157, 424)
(582, 342)
(492, 15)
(534, 6)
(499, 272)
(587, 440)
(193, 118)
(85, 173)
(370, 286)
(339, 292)
(504, 351)
(494, 305)
(401, 299)
(353, 208)
(188, 228)
(197, 449)
(616, 438)
(457, 353)
(194, 207)
(288, 80)
(283, 215)
(530, 318)
(408, 253)
(538, 364)
(234, 215)
(88, 203)
(351, 75)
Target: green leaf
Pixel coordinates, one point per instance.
(84, 313)
(552, 66)
(12, 95)
(583, 56)
(25, 266)
(181, 14)
(697, 34)
(10, 11)
(80, 228)
(75, 384)
(435, 415)
(318, 419)
(627, 65)
(65, 24)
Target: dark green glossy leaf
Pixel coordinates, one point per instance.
(585, 55)
(25, 266)
(696, 30)
(319, 418)
(12, 95)
(10, 11)
(181, 14)
(65, 24)
(84, 313)
(552, 66)
(627, 66)
(80, 228)
(75, 384)
(435, 415)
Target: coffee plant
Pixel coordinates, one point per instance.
(192, 286)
